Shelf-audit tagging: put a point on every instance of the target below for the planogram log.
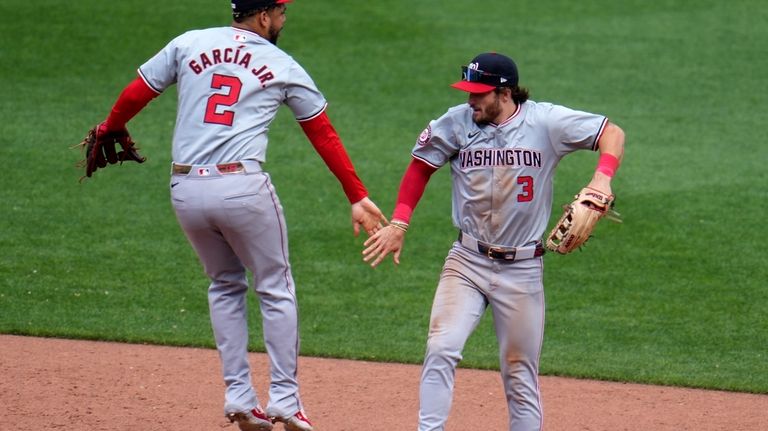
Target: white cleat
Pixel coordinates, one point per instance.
(297, 422)
(254, 420)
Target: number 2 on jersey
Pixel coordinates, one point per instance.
(225, 99)
(527, 194)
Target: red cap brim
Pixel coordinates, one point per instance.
(473, 87)
(283, 1)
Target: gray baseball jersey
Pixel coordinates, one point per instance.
(502, 195)
(215, 69)
(231, 83)
(502, 174)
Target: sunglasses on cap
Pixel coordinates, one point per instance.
(476, 75)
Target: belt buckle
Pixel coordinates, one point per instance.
(506, 254)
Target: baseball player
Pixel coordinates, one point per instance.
(502, 149)
(231, 81)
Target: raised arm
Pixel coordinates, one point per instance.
(391, 238)
(327, 143)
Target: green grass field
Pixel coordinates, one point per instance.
(677, 295)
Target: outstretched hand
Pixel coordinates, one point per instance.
(365, 213)
(387, 240)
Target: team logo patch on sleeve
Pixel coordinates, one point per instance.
(425, 135)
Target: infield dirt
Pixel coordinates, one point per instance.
(85, 385)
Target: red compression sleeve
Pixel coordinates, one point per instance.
(133, 99)
(412, 188)
(327, 143)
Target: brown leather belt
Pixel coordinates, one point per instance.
(224, 168)
(501, 253)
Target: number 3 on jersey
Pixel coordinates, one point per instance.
(526, 195)
(223, 99)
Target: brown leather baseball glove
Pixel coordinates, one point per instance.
(100, 149)
(579, 219)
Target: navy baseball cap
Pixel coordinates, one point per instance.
(486, 72)
(242, 6)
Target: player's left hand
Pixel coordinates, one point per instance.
(387, 240)
(365, 213)
(99, 146)
(579, 219)
(601, 183)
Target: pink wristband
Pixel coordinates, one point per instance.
(607, 164)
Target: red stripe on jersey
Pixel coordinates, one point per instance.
(316, 114)
(603, 126)
(425, 161)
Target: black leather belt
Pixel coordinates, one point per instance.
(501, 253)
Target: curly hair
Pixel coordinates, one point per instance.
(519, 94)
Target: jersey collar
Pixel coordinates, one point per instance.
(511, 117)
(247, 31)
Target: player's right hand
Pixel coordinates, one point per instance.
(365, 213)
(387, 240)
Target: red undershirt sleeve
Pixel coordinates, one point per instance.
(412, 188)
(328, 145)
(133, 99)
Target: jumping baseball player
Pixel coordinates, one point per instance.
(231, 82)
(502, 149)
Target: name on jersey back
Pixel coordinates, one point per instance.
(234, 56)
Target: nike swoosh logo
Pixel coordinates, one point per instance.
(471, 135)
(174, 185)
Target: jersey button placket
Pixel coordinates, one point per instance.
(496, 195)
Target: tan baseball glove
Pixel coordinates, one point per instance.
(579, 219)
